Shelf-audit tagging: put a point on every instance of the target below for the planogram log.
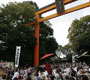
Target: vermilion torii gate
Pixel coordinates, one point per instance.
(46, 9)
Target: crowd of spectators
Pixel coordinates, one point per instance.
(55, 71)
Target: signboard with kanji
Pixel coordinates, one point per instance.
(17, 56)
(59, 6)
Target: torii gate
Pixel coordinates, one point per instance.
(46, 9)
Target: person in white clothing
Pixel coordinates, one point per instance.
(67, 69)
(45, 73)
(54, 71)
(57, 76)
(16, 74)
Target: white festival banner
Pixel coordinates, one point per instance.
(17, 56)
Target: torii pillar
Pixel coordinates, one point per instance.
(36, 48)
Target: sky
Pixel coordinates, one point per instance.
(60, 24)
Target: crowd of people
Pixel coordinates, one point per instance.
(54, 71)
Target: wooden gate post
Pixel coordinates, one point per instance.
(36, 49)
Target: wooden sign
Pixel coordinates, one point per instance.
(59, 6)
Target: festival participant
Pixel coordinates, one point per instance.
(47, 65)
(28, 77)
(83, 76)
(57, 76)
(16, 74)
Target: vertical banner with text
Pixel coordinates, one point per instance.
(17, 56)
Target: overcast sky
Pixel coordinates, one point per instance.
(60, 24)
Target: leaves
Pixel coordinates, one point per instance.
(79, 34)
(14, 33)
(47, 42)
(17, 13)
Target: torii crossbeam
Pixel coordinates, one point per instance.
(46, 9)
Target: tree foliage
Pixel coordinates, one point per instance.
(79, 34)
(47, 42)
(67, 49)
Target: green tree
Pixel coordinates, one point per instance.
(66, 50)
(48, 43)
(69, 57)
(79, 35)
(13, 32)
